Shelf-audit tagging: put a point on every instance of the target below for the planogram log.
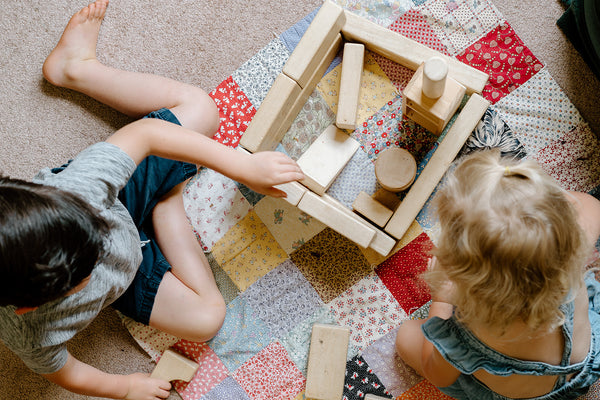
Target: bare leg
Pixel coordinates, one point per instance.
(73, 64)
(409, 343)
(188, 303)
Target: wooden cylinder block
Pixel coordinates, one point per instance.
(434, 77)
(395, 169)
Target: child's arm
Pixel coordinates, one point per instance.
(82, 378)
(260, 171)
(588, 210)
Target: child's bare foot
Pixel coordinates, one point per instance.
(77, 45)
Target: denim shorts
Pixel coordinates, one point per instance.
(153, 178)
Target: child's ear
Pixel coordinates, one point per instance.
(24, 310)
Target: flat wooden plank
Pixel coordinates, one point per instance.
(265, 126)
(173, 366)
(406, 51)
(433, 172)
(294, 192)
(349, 94)
(327, 362)
(315, 42)
(347, 225)
(325, 158)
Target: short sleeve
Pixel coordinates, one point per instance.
(44, 360)
(97, 174)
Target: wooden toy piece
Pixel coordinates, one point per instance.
(371, 396)
(173, 366)
(352, 69)
(327, 362)
(387, 198)
(325, 158)
(381, 242)
(435, 72)
(407, 52)
(349, 226)
(315, 42)
(371, 209)
(395, 169)
(294, 192)
(265, 128)
(455, 138)
(432, 114)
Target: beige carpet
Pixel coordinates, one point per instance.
(197, 42)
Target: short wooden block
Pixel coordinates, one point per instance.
(381, 243)
(349, 226)
(373, 397)
(407, 52)
(438, 111)
(325, 158)
(433, 172)
(348, 98)
(327, 362)
(429, 124)
(264, 131)
(387, 198)
(435, 71)
(294, 192)
(395, 169)
(371, 209)
(173, 366)
(315, 42)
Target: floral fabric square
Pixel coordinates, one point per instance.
(256, 76)
(400, 273)
(270, 374)
(248, 251)
(360, 380)
(357, 176)
(213, 205)
(423, 390)
(413, 24)
(394, 374)
(538, 112)
(282, 298)
(459, 23)
(235, 112)
(331, 263)
(228, 289)
(240, 337)
(228, 389)
(573, 159)
(382, 12)
(504, 57)
(368, 309)
(153, 341)
(210, 373)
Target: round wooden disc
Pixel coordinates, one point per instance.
(395, 169)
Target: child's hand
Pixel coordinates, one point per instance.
(265, 169)
(445, 293)
(142, 387)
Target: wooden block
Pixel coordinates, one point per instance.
(435, 111)
(327, 362)
(371, 209)
(325, 158)
(315, 42)
(294, 192)
(381, 242)
(264, 131)
(395, 169)
(387, 198)
(349, 226)
(455, 138)
(373, 397)
(407, 52)
(435, 71)
(352, 69)
(173, 366)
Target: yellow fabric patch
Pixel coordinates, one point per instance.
(248, 251)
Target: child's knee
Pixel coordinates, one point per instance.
(197, 111)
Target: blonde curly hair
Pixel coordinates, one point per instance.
(510, 243)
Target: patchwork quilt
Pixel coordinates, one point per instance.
(281, 270)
